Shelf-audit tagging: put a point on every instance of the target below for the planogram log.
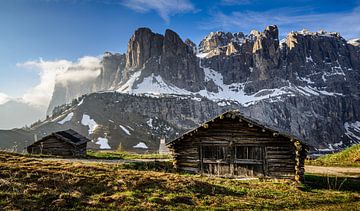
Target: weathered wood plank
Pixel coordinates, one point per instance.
(248, 161)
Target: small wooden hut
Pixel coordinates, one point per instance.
(66, 143)
(232, 145)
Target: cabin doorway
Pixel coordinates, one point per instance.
(238, 160)
(249, 161)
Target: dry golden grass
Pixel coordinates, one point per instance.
(34, 183)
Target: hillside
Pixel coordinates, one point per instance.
(347, 157)
(15, 140)
(32, 183)
(132, 122)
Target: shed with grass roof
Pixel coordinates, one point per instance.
(232, 145)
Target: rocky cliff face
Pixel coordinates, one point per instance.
(307, 83)
(167, 56)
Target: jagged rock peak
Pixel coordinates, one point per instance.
(318, 33)
(143, 45)
(219, 39)
(266, 51)
(173, 43)
(293, 38)
(267, 38)
(272, 31)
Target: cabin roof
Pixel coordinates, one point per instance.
(70, 136)
(238, 114)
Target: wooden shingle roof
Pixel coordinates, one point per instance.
(233, 114)
(70, 136)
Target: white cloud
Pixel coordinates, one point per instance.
(57, 70)
(3, 98)
(40, 94)
(288, 19)
(86, 68)
(165, 8)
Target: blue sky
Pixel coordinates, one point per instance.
(36, 34)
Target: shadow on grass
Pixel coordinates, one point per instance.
(160, 166)
(331, 183)
(196, 187)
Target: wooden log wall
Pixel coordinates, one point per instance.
(283, 157)
(54, 146)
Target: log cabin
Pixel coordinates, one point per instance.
(232, 145)
(66, 143)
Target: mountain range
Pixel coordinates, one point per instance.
(306, 84)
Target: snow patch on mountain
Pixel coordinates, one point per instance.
(125, 130)
(66, 119)
(81, 102)
(156, 85)
(149, 122)
(141, 145)
(202, 55)
(353, 130)
(355, 42)
(103, 142)
(87, 121)
(128, 86)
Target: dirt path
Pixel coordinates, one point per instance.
(335, 171)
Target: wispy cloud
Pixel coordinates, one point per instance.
(288, 19)
(165, 8)
(87, 68)
(58, 70)
(47, 70)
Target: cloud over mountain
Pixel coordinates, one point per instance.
(61, 70)
(3, 98)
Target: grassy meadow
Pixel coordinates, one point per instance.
(118, 155)
(32, 182)
(349, 157)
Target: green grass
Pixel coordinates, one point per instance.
(116, 155)
(33, 183)
(348, 157)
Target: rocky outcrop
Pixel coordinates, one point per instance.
(179, 65)
(112, 71)
(191, 45)
(266, 52)
(221, 43)
(143, 45)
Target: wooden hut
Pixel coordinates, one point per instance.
(66, 143)
(232, 145)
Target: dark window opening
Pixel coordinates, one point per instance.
(215, 152)
(249, 152)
